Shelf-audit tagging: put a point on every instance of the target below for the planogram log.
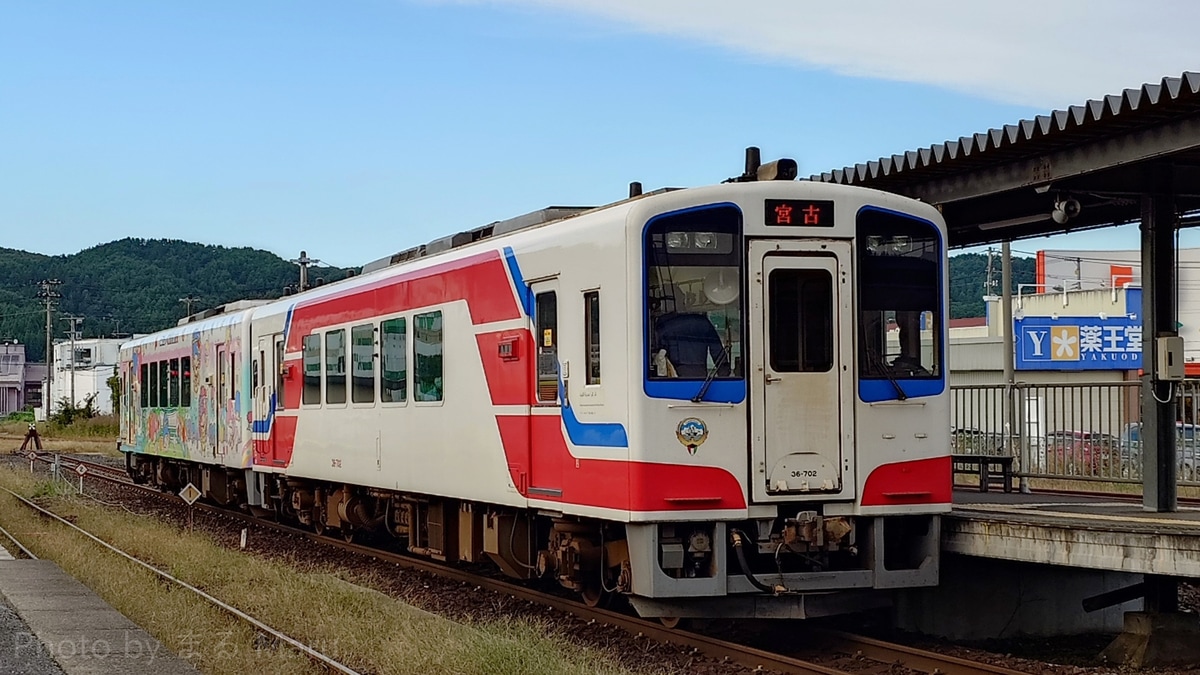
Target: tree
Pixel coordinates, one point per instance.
(114, 386)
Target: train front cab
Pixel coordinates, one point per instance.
(826, 397)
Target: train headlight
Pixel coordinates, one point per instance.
(706, 240)
(893, 245)
(677, 240)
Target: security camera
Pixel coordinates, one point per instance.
(1065, 209)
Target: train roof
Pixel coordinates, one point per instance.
(230, 313)
(545, 216)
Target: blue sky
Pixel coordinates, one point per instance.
(356, 129)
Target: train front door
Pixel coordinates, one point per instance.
(800, 341)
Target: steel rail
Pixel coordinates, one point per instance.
(19, 545)
(849, 644)
(294, 643)
(909, 657)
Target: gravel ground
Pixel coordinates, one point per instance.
(467, 603)
(20, 652)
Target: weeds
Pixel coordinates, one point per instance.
(361, 627)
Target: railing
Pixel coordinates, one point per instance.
(1070, 431)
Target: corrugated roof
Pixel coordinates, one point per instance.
(1132, 109)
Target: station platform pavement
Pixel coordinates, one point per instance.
(1095, 532)
(50, 624)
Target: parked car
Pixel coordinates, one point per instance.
(969, 441)
(1187, 448)
(1080, 452)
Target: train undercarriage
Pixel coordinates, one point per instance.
(666, 569)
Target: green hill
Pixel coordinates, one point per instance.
(134, 286)
(968, 276)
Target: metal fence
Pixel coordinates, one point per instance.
(1075, 431)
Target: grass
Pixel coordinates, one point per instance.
(91, 436)
(360, 627)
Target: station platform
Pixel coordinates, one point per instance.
(1102, 533)
(54, 616)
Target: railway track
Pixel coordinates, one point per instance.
(317, 657)
(884, 655)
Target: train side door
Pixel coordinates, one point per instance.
(277, 380)
(545, 433)
(801, 437)
(264, 386)
(218, 397)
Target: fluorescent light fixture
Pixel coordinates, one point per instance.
(1012, 222)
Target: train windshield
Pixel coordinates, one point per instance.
(693, 284)
(899, 297)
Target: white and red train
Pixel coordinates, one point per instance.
(719, 401)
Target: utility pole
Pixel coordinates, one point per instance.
(49, 295)
(116, 332)
(1015, 417)
(304, 261)
(988, 290)
(187, 301)
(73, 334)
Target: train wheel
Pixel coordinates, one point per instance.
(319, 527)
(594, 596)
(670, 621)
(348, 534)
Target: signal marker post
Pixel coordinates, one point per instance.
(82, 471)
(189, 494)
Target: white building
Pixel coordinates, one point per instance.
(82, 369)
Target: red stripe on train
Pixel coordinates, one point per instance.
(535, 446)
(508, 376)
(542, 467)
(921, 481)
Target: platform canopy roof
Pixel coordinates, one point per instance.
(1003, 184)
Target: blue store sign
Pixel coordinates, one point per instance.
(1078, 343)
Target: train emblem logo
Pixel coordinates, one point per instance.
(692, 432)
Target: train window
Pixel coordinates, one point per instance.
(362, 364)
(899, 296)
(279, 372)
(591, 332)
(142, 382)
(222, 377)
(173, 383)
(185, 381)
(800, 320)
(693, 301)
(164, 379)
(233, 376)
(427, 357)
(393, 351)
(335, 366)
(152, 385)
(546, 310)
(312, 369)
